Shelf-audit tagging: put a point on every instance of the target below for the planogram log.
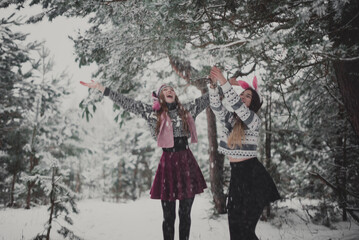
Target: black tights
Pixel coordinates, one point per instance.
(243, 220)
(169, 216)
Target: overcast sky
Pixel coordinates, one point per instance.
(55, 34)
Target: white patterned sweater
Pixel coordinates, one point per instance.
(227, 119)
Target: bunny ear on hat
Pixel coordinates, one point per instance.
(243, 84)
(255, 83)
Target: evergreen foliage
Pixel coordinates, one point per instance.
(32, 129)
(13, 102)
(62, 201)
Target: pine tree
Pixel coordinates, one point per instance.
(50, 146)
(61, 199)
(13, 55)
(47, 99)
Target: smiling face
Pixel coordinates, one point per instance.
(246, 97)
(169, 94)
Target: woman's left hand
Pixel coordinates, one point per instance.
(93, 84)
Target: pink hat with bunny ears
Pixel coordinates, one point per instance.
(245, 85)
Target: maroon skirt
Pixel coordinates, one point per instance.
(178, 176)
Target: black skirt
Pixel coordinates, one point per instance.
(251, 184)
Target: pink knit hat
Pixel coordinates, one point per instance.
(155, 97)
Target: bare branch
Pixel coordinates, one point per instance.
(317, 175)
(239, 73)
(112, 1)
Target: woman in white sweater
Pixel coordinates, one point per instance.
(251, 187)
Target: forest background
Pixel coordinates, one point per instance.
(305, 55)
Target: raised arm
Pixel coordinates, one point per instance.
(126, 103)
(222, 114)
(129, 104)
(196, 106)
(249, 118)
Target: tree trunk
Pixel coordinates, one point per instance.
(347, 76)
(341, 168)
(104, 182)
(52, 202)
(345, 32)
(216, 163)
(12, 189)
(147, 173)
(33, 163)
(344, 178)
(134, 181)
(78, 183)
(78, 179)
(268, 140)
(30, 185)
(119, 185)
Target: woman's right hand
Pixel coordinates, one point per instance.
(216, 75)
(93, 84)
(213, 79)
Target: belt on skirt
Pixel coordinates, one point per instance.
(180, 144)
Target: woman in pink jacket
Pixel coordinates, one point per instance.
(178, 176)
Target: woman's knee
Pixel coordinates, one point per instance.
(185, 207)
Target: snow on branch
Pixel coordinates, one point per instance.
(112, 1)
(186, 71)
(239, 42)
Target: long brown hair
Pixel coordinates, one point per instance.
(181, 112)
(237, 136)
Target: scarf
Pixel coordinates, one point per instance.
(165, 137)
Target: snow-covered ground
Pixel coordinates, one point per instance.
(142, 219)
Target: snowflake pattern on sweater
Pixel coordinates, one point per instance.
(227, 120)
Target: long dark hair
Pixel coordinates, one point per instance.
(256, 103)
(181, 112)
